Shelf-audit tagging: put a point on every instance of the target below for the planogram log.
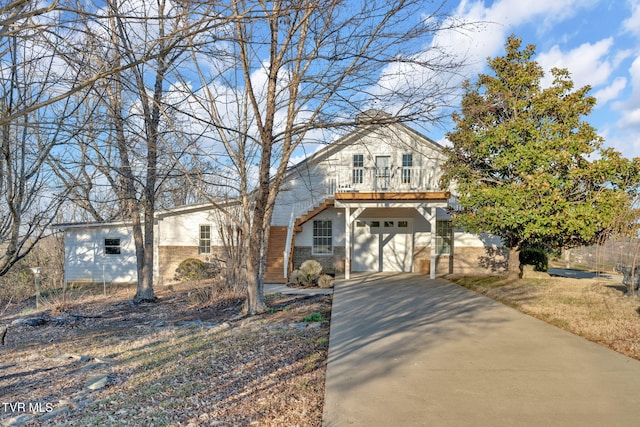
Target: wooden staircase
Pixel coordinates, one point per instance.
(274, 272)
(313, 212)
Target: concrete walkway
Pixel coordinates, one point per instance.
(408, 351)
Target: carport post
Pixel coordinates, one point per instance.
(347, 243)
(432, 225)
(429, 213)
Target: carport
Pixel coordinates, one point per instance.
(386, 244)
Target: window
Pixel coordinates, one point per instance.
(403, 224)
(204, 243)
(383, 172)
(407, 164)
(358, 168)
(322, 237)
(112, 246)
(388, 224)
(375, 224)
(444, 234)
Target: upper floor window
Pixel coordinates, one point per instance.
(407, 164)
(322, 237)
(112, 246)
(358, 168)
(204, 242)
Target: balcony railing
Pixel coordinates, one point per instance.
(400, 179)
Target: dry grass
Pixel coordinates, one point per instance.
(165, 369)
(595, 309)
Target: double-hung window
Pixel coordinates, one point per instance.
(322, 237)
(444, 236)
(407, 164)
(204, 241)
(358, 169)
(112, 246)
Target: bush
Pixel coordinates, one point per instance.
(191, 269)
(325, 281)
(18, 283)
(296, 277)
(310, 270)
(535, 256)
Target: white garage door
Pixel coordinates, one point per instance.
(382, 245)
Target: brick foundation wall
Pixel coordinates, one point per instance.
(303, 253)
(481, 260)
(466, 260)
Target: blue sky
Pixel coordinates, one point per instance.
(598, 41)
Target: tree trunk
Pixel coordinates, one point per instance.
(144, 291)
(255, 281)
(514, 271)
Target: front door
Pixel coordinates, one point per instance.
(382, 245)
(383, 172)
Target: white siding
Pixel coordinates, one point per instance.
(86, 260)
(184, 229)
(312, 182)
(305, 237)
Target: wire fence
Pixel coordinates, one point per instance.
(620, 252)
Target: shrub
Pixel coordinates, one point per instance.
(191, 269)
(325, 281)
(535, 256)
(296, 277)
(310, 270)
(313, 317)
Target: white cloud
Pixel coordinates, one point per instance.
(630, 108)
(612, 91)
(630, 119)
(496, 22)
(632, 23)
(589, 64)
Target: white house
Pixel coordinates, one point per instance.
(368, 202)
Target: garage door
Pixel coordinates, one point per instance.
(382, 245)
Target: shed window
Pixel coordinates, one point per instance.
(322, 237)
(204, 244)
(112, 246)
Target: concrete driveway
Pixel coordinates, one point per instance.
(408, 351)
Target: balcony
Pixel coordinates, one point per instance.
(388, 179)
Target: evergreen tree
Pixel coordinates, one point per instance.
(526, 165)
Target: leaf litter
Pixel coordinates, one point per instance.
(104, 361)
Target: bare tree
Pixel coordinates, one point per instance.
(130, 141)
(30, 195)
(290, 69)
(49, 68)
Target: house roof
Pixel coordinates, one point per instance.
(68, 225)
(368, 122)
